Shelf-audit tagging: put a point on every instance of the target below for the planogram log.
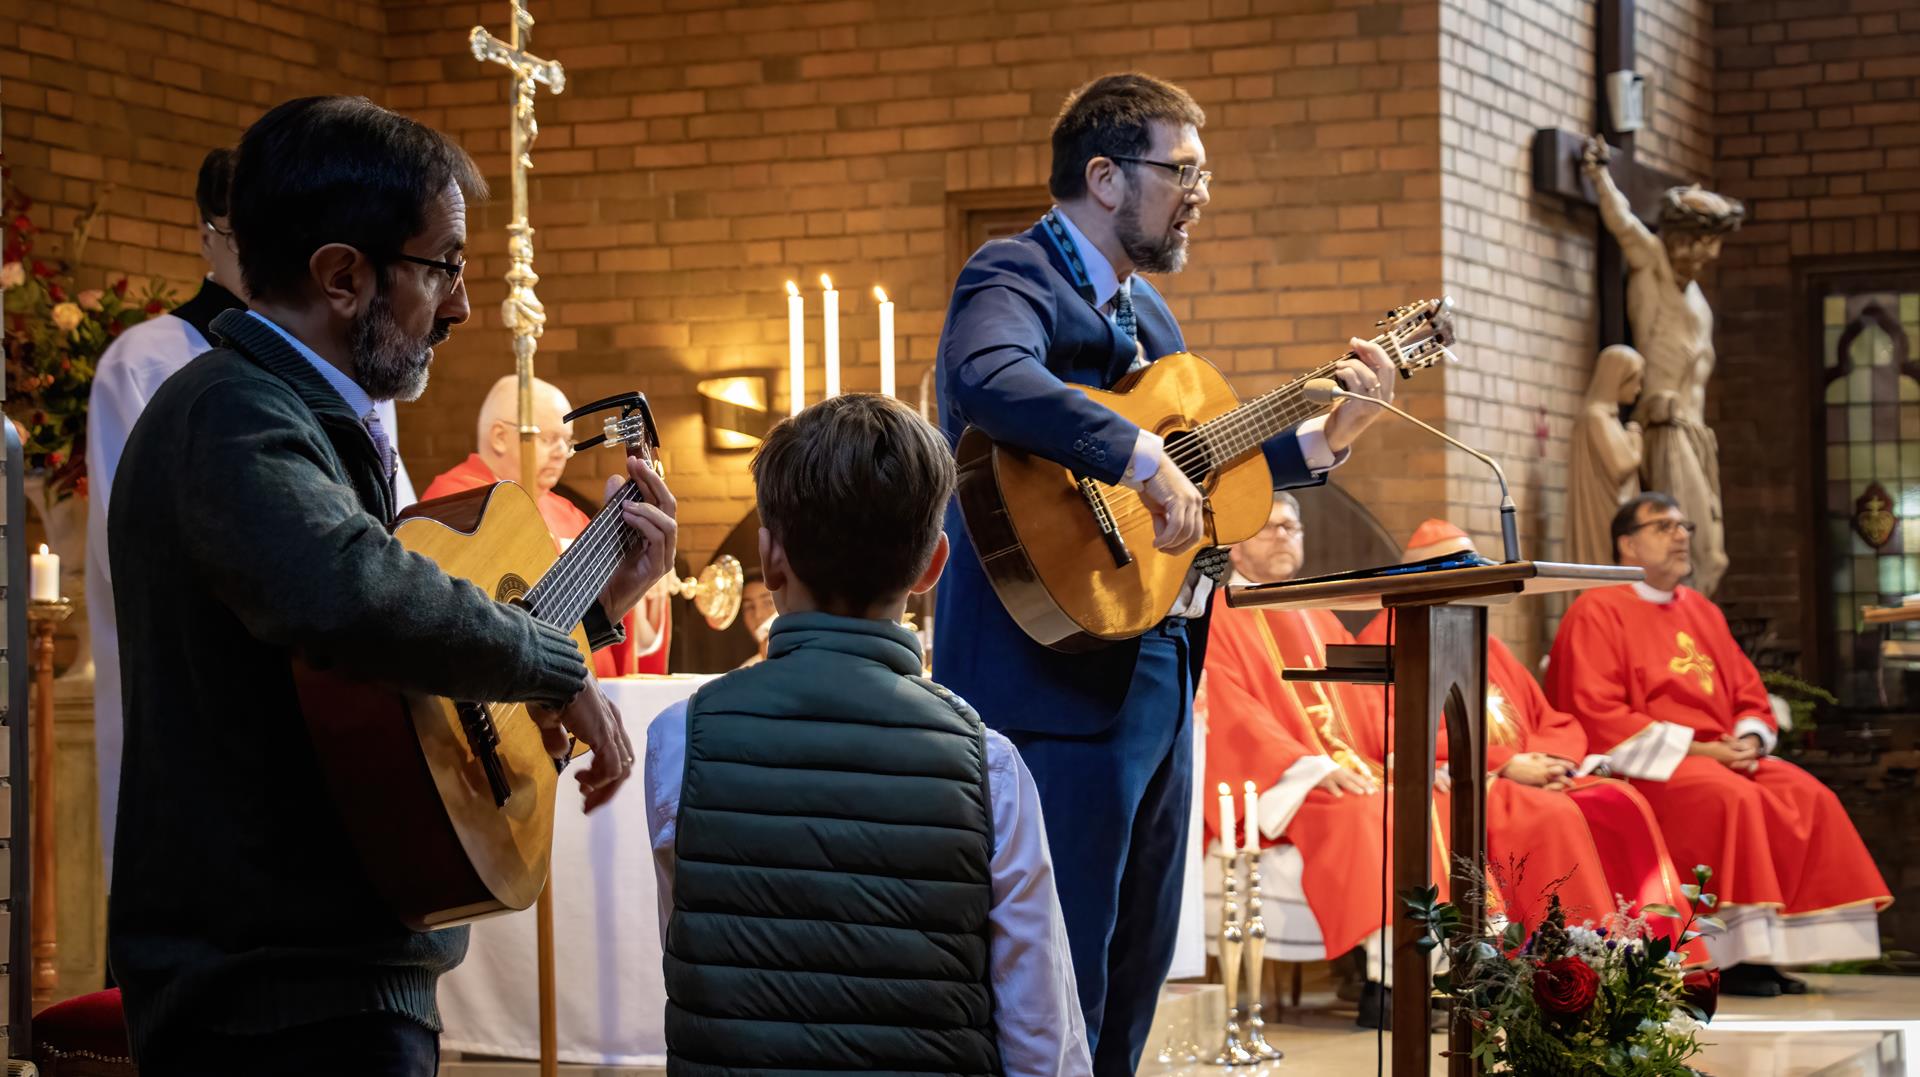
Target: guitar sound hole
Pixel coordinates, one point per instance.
(1190, 451)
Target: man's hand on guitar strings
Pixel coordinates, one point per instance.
(1372, 374)
(651, 518)
(1179, 512)
(594, 719)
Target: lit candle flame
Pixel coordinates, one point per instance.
(792, 288)
(1226, 790)
(826, 282)
(43, 549)
(880, 293)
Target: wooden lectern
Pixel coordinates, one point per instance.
(1437, 665)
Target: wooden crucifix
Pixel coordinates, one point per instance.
(525, 317)
(1556, 165)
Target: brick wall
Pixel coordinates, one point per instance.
(133, 93)
(698, 159)
(1521, 265)
(1818, 131)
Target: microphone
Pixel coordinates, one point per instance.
(1326, 391)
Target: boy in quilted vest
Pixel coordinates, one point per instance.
(853, 871)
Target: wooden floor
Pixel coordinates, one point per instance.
(1851, 1026)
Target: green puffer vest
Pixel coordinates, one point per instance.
(832, 878)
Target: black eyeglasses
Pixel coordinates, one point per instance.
(1666, 527)
(1191, 176)
(451, 269)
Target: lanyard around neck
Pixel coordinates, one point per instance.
(1070, 253)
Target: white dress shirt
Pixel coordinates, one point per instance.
(1145, 460)
(1036, 1007)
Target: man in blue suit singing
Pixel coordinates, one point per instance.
(1108, 734)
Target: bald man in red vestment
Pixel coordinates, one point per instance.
(1596, 838)
(1652, 673)
(496, 458)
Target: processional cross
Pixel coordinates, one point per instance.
(524, 316)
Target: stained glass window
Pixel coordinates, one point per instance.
(1871, 354)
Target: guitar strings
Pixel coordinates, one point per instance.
(1237, 432)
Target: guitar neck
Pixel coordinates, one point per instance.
(568, 590)
(1239, 433)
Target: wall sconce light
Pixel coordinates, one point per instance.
(735, 410)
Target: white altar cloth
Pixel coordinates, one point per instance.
(611, 996)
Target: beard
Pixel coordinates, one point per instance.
(1165, 252)
(388, 362)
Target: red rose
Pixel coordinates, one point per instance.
(1701, 989)
(114, 328)
(42, 269)
(58, 293)
(154, 306)
(120, 287)
(1565, 986)
(53, 459)
(22, 224)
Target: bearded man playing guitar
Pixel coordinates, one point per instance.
(1107, 732)
(250, 533)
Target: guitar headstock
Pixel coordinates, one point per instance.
(1416, 336)
(633, 429)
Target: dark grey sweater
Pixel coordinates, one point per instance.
(250, 525)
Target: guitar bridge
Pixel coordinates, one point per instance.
(1103, 517)
(483, 738)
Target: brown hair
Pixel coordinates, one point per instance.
(1112, 116)
(1627, 520)
(854, 489)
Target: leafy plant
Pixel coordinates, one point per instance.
(1803, 699)
(1596, 1000)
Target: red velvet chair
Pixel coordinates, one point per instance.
(83, 1037)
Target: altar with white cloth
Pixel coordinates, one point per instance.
(612, 998)
(611, 993)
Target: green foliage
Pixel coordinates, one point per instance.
(1803, 700)
(1627, 1019)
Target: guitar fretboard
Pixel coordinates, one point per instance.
(563, 595)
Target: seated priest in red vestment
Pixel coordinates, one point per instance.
(1594, 840)
(1323, 822)
(497, 458)
(1652, 673)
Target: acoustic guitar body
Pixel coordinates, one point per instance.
(1042, 546)
(403, 769)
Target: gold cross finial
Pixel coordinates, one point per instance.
(1691, 660)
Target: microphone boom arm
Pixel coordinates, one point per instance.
(1323, 390)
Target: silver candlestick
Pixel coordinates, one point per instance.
(1256, 954)
(1231, 940)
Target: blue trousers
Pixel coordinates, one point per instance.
(1116, 806)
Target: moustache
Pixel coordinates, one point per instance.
(441, 331)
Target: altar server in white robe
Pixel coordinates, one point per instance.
(132, 368)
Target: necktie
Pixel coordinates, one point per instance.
(1123, 310)
(380, 444)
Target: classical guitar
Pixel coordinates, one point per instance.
(1073, 560)
(450, 803)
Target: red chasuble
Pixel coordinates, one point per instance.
(1259, 725)
(1600, 837)
(564, 521)
(1622, 664)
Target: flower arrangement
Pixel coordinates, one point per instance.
(54, 335)
(1597, 1000)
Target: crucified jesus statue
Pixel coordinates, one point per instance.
(1673, 329)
